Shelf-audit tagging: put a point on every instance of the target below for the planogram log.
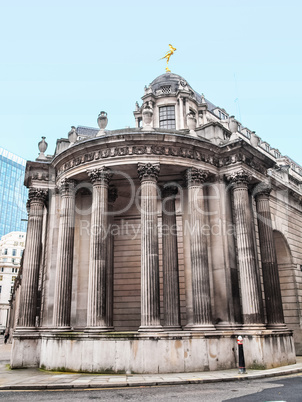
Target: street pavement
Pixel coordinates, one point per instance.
(36, 379)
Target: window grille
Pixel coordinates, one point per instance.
(166, 89)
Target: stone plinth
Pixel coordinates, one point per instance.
(152, 352)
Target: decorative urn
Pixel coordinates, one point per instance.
(72, 135)
(191, 123)
(147, 116)
(102, 123)
(42, 145)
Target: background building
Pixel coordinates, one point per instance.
(13, 194)
(150, 249)
(11, 250)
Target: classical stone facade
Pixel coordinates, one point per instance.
(153, 248)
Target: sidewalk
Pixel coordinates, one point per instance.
(33, 379)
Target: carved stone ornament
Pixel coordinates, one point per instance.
(169, 191)
(100, 175)
(195, 177)
(241, 177)
(66, 187)
(148, 171)
(72, 135)
(37, 195)
(263, 188)
(112, 194)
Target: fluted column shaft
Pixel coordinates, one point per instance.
(249, 280)
(112, 196)
(63, 281)
(97, 281)
(198, 250)
(271, 282)
(150, 302)
(31, 264)
(170, 260)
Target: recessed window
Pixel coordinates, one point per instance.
(14, 252)
(167, 117)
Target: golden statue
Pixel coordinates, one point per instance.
(168, 55)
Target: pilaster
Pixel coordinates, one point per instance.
(170, 260)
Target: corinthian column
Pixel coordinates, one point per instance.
(249, 279)
(150, 315)
(97, 282)
(30, 274)
(273, 301)
(112, 196)
(202, 319)
(170, 260)
(63, 282)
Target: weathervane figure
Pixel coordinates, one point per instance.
(168, 55)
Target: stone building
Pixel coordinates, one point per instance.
(150, 249)
(11, 250)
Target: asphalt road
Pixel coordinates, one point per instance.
(287, 389)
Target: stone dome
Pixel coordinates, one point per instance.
(174, 81)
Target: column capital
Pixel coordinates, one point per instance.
(66, 187)
(112, 194)
(37, 195)
(148, 171)
(195, 177)
(262, 189)
(240, 178)
(169, 191)
(101, 175)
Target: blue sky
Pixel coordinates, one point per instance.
(62, 62)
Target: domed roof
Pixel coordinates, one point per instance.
(174, 81)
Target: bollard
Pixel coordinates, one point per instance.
(242, 369)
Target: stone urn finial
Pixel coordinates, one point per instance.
(72, 135)
(191, 122)
(233, 125)
(147, 116)
(102, 122)
(42, 145)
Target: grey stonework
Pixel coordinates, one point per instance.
(161, 246)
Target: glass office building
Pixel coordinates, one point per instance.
(13, 194)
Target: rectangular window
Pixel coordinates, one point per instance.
(1, 277)
(13, 278)
(14, 252)
(0, 289)
(167, 117)
(5, 251)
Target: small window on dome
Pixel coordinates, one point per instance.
(166, 89)
(167, 117)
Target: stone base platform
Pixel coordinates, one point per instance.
(133, 352)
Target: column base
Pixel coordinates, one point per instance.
(253, 327)
(200, 327)
(277, 327)
(227, 326)
(95, 330)
(153, 328)
(60, 329)
(168, 328)
(26, 329)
